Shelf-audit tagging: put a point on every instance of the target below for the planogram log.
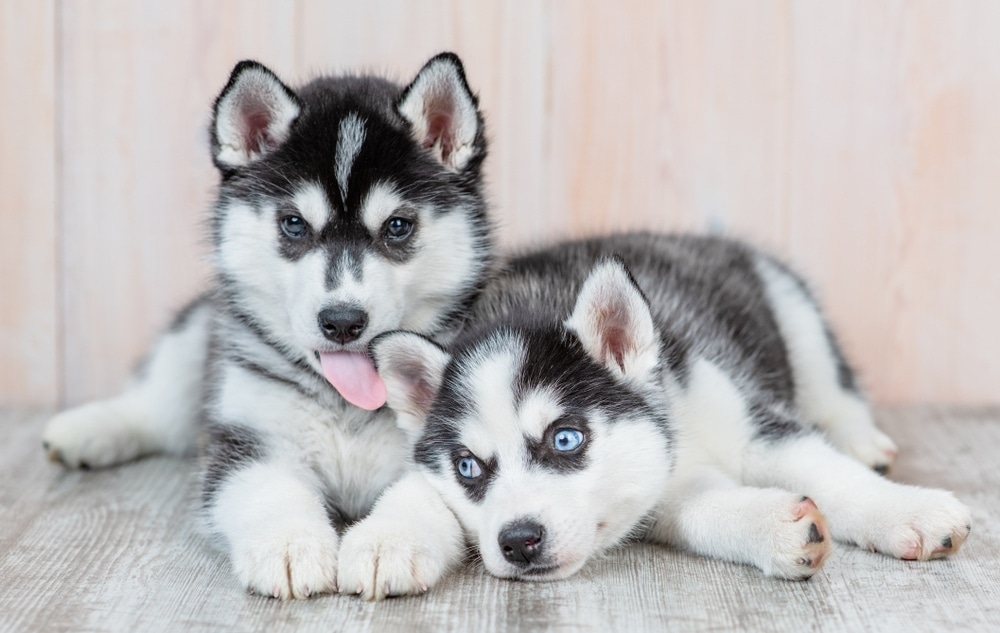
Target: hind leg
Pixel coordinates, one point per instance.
(848, 422)
(826, 391)
(872, 512)
(158, 412)
(708, 513)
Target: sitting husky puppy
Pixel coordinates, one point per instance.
(347, 208)
(650, 387)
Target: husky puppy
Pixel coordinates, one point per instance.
(347, 207)
(660, 388)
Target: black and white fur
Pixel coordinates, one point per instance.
(692, 371)
(350, 194)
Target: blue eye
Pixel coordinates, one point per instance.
(567, 440)
(294, 227)
(468, 467)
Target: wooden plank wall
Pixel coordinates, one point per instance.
(858, 139)
(29, 245)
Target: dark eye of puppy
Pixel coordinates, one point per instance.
(398, 228)
(294, 227)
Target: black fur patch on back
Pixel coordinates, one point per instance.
(228, 447)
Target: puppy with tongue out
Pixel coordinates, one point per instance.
(380, 226)
(353, 375)
(347, 207)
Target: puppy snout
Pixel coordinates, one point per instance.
(521, 541)
(342, 324)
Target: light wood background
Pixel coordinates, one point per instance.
(859, 139)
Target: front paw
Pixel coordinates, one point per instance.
(380, 558)
(291, 564)
(801, 541)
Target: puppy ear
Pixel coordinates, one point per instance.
(253, 115)
(411, 367)
(613, 322)
(443, 113)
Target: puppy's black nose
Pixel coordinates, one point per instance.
(521, 541)
(342, 324)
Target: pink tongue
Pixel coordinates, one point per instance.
(354, 376)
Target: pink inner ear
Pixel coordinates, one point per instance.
(256, 129)
(440, 115)
(616, 343)
(616, 340)
(421, 392)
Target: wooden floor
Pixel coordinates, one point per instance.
(119, 550)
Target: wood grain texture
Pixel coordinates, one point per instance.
(118, 550)
(137, 83)
(894, 188)
(29, 354)
(856, 139)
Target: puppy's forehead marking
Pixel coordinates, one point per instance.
(345, 277)
(492, 370)
(312, 204)
(381, 201)
(349, 141)
(539, 408)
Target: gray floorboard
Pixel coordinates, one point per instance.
(120, 550)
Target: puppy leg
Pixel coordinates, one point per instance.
(407, 543)
(281, 542)
(848, 422)
(157, 413)
(826, 389)
(904, 521)
(780, 532)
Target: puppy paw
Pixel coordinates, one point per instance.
(95, 435)
(800, 541)
(920, 524)
(848, 423)
(292, 564)
(379, 559)
(873, 448)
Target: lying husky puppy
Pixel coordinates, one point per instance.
(660, 388)
(347, 208)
